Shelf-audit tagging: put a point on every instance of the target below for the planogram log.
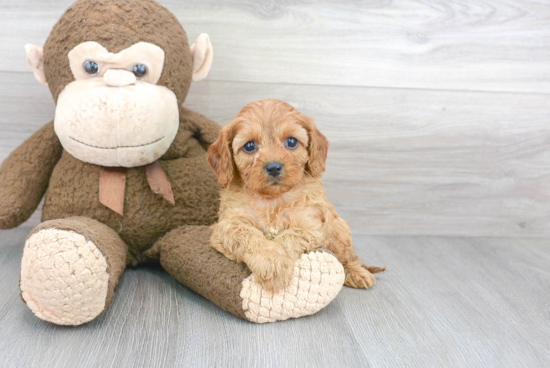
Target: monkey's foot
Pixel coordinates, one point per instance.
(318, 278)
(66, 278)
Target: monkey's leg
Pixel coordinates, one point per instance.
(186, 254)
(70, 268)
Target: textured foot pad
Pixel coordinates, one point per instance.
(318, 278)
(64, 277)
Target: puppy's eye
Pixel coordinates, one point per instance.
(139, 70)
(291, 142)
(249, 147)
(91, 67)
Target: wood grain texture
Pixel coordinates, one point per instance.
(445, 302)
(490, 45)
(401, 161)
(400, 87)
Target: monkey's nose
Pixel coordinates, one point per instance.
(274, 168)
(119, 78)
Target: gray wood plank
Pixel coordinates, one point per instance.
(460, 302)
(494, 45)
(401, 161)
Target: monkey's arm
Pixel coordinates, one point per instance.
(25, 174)
(203, 128)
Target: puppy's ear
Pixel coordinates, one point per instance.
(317, 148)
(220, 158)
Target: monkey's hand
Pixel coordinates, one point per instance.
(25, 174)
(204, 129)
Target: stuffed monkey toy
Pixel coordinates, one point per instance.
(124, 173)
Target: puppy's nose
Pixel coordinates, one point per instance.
(274, 168)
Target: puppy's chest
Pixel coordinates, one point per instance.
(271, 223)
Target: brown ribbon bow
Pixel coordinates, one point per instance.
(112, 185)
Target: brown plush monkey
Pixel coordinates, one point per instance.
(124, 173)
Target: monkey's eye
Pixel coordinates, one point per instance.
(249, 147)
(291, 142)
(139, 70)
(91, 67)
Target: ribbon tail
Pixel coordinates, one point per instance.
(159, 182)
(112, 186)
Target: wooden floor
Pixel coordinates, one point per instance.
(444, 302)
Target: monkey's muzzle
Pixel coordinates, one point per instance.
(116, 120)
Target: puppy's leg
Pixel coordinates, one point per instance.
(298, 240)
(339, 242)
(271, 263)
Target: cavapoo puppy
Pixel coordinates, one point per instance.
(269, 160)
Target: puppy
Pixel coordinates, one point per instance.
(269, 160)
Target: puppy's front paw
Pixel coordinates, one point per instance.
(358, 277)
(273, 269)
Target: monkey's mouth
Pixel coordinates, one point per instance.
(137, 145)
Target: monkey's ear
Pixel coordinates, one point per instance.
(202, 54)
(35, 58)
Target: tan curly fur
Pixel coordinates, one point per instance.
(268, 222)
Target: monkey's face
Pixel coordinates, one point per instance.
(114, 113)
(118, 71)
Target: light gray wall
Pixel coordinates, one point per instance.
(438, 112)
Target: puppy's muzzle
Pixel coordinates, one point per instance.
(274, 168)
